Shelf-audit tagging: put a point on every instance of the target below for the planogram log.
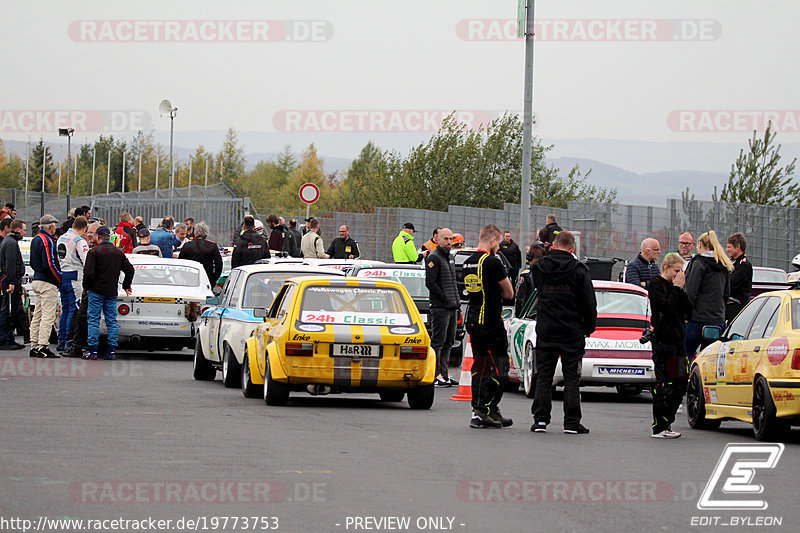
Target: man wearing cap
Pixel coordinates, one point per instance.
(104, 263)
(46, 281)
(71, 248)
(145, 247)
(403, 248)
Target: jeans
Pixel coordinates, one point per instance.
(44, 316)
(672, 377)
(443, 335)
(694, 337)
(489, 369)
(68, 308)
(546, 360)
(10, 308)
(108, 306)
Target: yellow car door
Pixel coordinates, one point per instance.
(749, 352)
(736, 335)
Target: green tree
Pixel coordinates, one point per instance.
(233, 160)
(12, 169)
(757, 178)
(286, 163)
(366, 181)
(41, 156)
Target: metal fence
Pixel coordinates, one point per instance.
(606, 230)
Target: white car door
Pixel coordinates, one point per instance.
(214, 320)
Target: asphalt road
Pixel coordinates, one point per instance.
(138, 438)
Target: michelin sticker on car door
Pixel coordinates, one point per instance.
(721, 357)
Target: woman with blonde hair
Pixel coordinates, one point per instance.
(708, 287)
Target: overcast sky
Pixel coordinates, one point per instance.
(613, 69)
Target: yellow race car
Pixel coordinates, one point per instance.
(751, 372)
(326, 335)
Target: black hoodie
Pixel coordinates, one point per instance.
(250, 247)
(708, 288)
(567, 308)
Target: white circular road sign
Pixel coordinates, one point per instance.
(309, 193)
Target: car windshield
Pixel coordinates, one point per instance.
(769, 276)
(412, 278)
(354, 306)
(620, 302)
(226, 264)
(179, 275)
(262, 287)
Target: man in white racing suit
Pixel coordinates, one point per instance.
(71, 249)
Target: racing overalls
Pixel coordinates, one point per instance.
(71, 249)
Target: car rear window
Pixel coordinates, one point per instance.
(620, 302)
(769, 276)
(354, 306)
(413, 279)
(795, 313)
(262, 287)
(182, 276)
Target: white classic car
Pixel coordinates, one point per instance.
(224, 327)
(614, 357)
(168, 297)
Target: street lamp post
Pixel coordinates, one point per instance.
(527, 129)
(166, 108)
(67, 132)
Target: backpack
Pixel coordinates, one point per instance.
(289, 243)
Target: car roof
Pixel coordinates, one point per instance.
(618, 286)
(770, 269)
(291, 267)
(347, 282)
(143, 259)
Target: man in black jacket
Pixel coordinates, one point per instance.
(203, 251)
(297, 238)
(510, 249)
(440, 278)
(741, 277)
(12, 268)
(548, 233)
(104, 263)
(343, 247)
(567, 315)
(250, 245)
(525, 285)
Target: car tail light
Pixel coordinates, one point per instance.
(460, 318)
(124, 309)
(796, 359)
(413, 352)
(300, 348)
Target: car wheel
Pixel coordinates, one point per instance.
(201, 368)
(275, 392)
(231, 369)
(529, 371)
(249, 389)
(392, 395)
(629, 391)
(421, 397)
(696, 404)
(765, 425)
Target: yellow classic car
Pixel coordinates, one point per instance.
(326, 335)
(752, 370)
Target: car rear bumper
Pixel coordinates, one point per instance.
(612, 371)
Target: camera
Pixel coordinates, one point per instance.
(647, 336)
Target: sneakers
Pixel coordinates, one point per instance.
(14, 346)
(111, 353)
(441, 383)
(480, 420)
(74, 351)
(539, 427)
(61, 346)
(580, 430)
(92, 355)
(496, 416)
(44, 351)
(453, 383)
(35, 351)
(666, 434)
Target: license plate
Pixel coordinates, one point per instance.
(620, 371)
(355, 350)
(157, 300)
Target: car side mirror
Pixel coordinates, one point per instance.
(260, 312)
(212, 300)
(712, 333)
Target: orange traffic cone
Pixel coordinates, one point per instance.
(464, 392)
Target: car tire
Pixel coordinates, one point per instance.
(766, 427)
(275, 392)
(201, 368)
(392, 395)
(231, 369)
(529, 371)
(696, 404)
(249, 389)
(421, 397)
